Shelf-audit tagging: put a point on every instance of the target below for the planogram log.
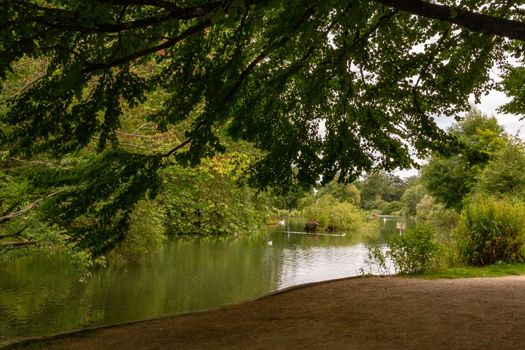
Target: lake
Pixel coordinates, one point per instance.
(44, 295)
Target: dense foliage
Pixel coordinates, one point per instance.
(336, 215)
(249, 64)
(451, 175)
(432, 213)
(473, 195)
(412, 197)
(505, 175)
(416, 250)
(382, 191)
(343, 192)
(328, 88)
(491, 230)
(207, 201)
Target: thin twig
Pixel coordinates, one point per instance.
(175, 149)
(17, 233)
(31, 206)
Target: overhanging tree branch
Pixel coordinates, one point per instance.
(74, 21)
(229, 96)
(179, 12)
(176, 11)
(476, 22)
(176, 148)
(74, 25)
(31, 206)
(16, 234)
(165, 45)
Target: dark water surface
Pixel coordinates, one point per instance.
(43, 295)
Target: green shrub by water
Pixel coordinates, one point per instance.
(414, 251)
(490, 231)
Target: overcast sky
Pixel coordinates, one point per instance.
(495, 99)
(489, 106)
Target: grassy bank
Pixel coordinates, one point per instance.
(496, 270)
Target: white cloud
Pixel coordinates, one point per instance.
(489, 105)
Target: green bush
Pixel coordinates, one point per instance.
(330, 212)
(146, 234)
(388, 208)
(343, 192)
(414, 251)
(436, 214)
(491, 230)
(205, 201)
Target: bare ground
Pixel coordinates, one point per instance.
(356, 313)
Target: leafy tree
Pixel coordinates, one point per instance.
(479, 137)
(20, 219)
(206, 201)
(449, 180)
(343, 192)
(285, 201)
(436, 214)
(450, 176)
(505, 175)
(379, 188)
(272, 72)
(412, 197)
(390, 208)
(514, 87)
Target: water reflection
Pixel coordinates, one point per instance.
(317, 264)
(42, 295)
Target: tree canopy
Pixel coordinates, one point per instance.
(325, 88)
(451, 176)
(272, 71)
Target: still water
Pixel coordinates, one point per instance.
(41, 296)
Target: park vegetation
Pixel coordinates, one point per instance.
(465, 208)
(468, 203)
(123, 123)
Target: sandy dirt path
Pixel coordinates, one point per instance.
(356, 313)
